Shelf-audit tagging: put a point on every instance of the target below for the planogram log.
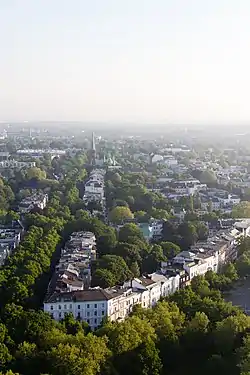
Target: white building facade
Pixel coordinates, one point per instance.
(93, 305)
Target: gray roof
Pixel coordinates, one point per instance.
(91, 295)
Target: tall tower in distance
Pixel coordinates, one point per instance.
(93, 150)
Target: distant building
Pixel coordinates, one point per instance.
(179, 213)
(9, 240)
(40, 152)
(94, 186)
(11, 164)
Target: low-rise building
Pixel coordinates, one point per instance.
(73, 271)
(9, 240)
(10, 237)
(4, 253)
(39, 200)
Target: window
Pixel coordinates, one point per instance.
(65, 307)
(95, 313)
(95, 305)
(127, 303)
(60, 315)
(103, 312)
(78, 315)
(102, 304)
(52, 315)
(59, 307)
(70, 306)
(51, 307)
(87, 306)
(79, 307)
(88, 321)
(95, 321)
(88, 313)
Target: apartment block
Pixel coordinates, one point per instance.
(116, 303)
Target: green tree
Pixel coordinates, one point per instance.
(106, 242)
(119, 214)
(113, 268)
(202, 231)
(129, 252)
(103, 278)
(188, 233)
(199, 322)
(243, 265)
(121, 203)
(207, 177)
(229, 270)
(241, 210)
(86, 356)
(35, 173)
(141, 216)
(151, 261)
(200, 286)
(129, 230)
(135, 269)
(170, 250)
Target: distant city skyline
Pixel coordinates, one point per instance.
(125, 62)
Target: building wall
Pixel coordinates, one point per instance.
(92, 312)
(197, 269)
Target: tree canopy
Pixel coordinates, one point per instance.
(241, 210)
(207, 177)
(36, 173)
(119, 214)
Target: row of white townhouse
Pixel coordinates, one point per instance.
(93, 305)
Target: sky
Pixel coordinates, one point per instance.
(125, 61)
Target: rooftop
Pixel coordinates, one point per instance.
(90, 295)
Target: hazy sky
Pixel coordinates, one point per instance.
(164, 61)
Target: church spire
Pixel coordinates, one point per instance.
(93, 141)
(93, 150)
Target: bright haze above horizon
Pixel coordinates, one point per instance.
(138, 61)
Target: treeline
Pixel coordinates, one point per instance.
(6, 196)
(29, 262)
